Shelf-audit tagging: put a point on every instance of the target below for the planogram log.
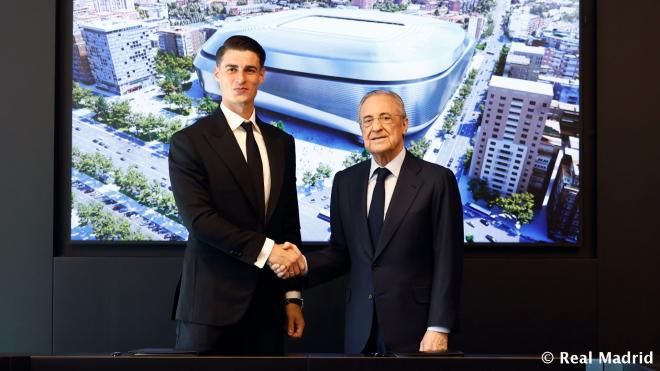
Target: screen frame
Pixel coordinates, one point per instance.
(64, 246)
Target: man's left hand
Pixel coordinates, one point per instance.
(433, 342)
(295, 321)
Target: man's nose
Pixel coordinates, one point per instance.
(377, 125)
(241, 77)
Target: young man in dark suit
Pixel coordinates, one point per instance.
(233, 178)
(397, 228)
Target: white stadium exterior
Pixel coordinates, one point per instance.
(320, 62)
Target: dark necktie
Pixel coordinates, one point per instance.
(255, 166)
(377, 207)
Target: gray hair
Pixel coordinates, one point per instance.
(392, 94)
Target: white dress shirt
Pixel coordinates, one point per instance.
(394, 167)
(235, 120)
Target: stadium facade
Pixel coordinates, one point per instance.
(320, 62)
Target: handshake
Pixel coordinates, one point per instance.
(287, 261)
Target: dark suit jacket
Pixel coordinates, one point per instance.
(413, 275)
(217, 202)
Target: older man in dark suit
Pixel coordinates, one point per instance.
(397, 228)
(233, 178)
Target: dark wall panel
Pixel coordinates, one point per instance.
(628, 176)
(26, 160)
(528, 306)
(113, 304)
(509, 306)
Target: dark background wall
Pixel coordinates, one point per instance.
(510, 305)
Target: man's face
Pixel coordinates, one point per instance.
(239, 76)
(383, 126)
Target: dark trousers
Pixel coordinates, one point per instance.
(376, 343)
(258, 333)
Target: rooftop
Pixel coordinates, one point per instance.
(517, 59)
(111, 25)
(522, 48)
(521, 85)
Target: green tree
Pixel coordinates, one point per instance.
(419, 148)
(469, 238)
(324, 172)
(82, 98)
(181, 102)
(168, 63)
(166, 132)
(278, 124)
(146, 127)
(481, 191)
(310, 178)
(120, 115)
(518, 205)
(472, 75)
(101, 109)
(490, 28)
(449, 123)
(105, 225)
(94, 164)
(170, 85)
(468, 158)
(501, 62)
(356, 157)
(149, 193)
(132, 183)
(207, 105)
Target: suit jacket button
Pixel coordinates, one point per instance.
(371, 296)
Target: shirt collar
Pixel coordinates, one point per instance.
(235, 120)
(393, 166)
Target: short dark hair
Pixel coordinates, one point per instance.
(242, 43)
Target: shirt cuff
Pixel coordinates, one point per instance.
(438, 329)
(265, 253)
(293, 295)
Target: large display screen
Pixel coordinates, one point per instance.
(491, 89)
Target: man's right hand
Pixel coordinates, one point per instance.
(288, 256)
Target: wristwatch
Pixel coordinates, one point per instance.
(295, 301)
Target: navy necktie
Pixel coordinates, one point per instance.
(377, 207)
(256, 167)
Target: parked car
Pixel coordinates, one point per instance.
(484, 222)
(120, 207)
(490, 238)
(108, 201)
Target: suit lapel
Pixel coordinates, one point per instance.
(404, 194)
(359, 191)
(275, 149)
(224, 143)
